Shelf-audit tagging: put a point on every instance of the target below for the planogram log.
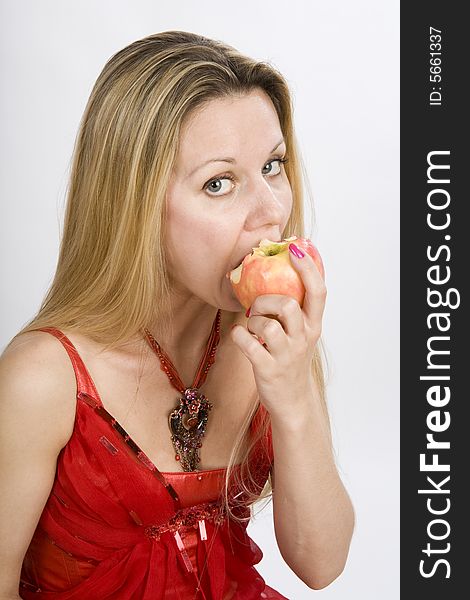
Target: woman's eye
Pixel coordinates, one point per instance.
(215, 186)
(277, 169)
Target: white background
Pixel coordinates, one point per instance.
(341, 60)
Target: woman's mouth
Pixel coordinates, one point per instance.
(237, 264)
(250, 251)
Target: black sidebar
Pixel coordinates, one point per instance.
(435, 340)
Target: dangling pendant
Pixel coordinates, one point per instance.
(188, 424)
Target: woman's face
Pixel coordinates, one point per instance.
(228, 191)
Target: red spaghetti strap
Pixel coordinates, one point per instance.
(87, 392)
(85, 383)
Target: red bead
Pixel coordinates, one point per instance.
(177, 457)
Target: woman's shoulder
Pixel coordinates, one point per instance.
(37, 382)
(35, 350)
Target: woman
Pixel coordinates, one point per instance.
(122, 478)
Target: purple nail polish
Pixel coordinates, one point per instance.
(296, 251)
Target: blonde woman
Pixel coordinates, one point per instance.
(141, 417)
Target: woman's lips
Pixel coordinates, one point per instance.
(227, 274)
(237, 265)
(250, 251)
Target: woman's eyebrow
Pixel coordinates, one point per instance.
(228, 159)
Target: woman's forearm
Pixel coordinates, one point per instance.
(313, 514)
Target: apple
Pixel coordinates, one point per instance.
(268, 270)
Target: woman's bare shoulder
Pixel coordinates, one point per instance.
(37, 381)
(37, 349)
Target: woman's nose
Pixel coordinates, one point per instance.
(266, 206)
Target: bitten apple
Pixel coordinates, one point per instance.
(268, 270)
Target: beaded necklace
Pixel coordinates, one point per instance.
(188, 420)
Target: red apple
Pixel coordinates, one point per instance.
(268, 270)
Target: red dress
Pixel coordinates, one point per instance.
(116, 528)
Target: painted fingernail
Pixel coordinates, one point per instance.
(247, 314)
(296, 251)
(261, 341)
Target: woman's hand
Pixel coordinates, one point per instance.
(282, 365)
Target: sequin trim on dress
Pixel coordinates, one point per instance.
(189, 517)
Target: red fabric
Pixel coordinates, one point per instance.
(92, 539)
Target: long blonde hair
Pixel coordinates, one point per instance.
(111, 279)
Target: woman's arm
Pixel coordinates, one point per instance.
(313, 515)
(37, 412)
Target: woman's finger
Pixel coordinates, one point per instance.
(315, 289)
(269, 332)
(256, 353)
(284, 309)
